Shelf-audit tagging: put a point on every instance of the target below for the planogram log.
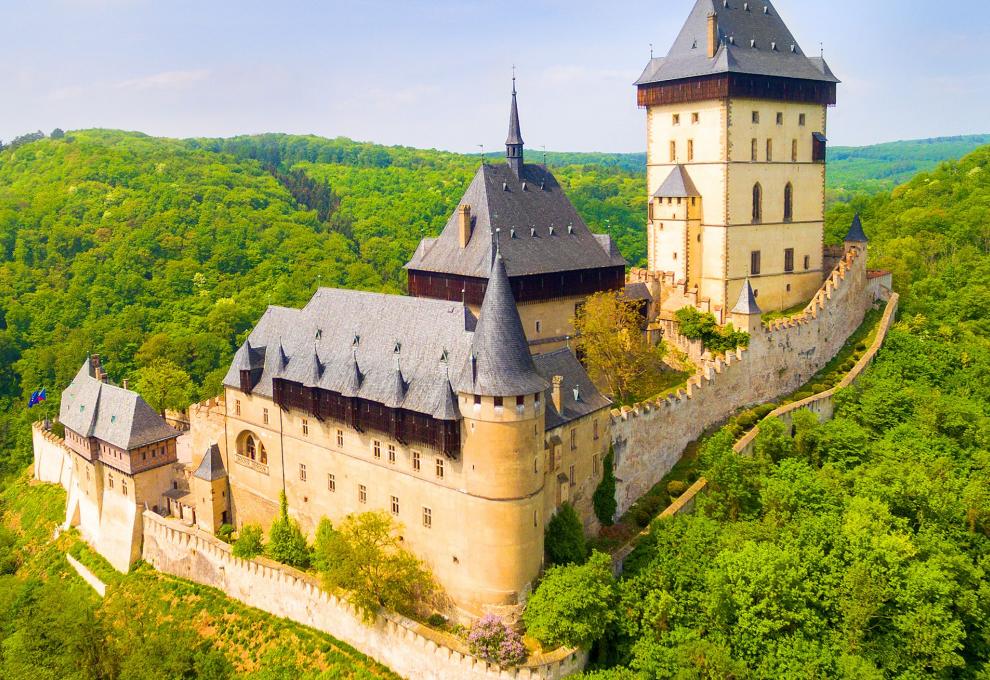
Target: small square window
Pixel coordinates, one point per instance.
(395, 505)
(677, 119)
(391, 453)
(331, 483)
(780, 118)
(498, 402)
(695, 117)
(362, 493)
(377, 449)
(440, 468)
(427, 518)
(302, 472)
(340, 438)
(477, 400)
(521, 400)
(756, 116)
(416, 458)
(802, 119)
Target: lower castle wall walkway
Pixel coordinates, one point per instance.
(649, 438)
(411, 649)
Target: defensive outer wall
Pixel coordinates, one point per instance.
(410, 649)
(649, 438)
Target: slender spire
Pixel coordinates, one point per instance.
(514, 142)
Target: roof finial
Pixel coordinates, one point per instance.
(651, 50)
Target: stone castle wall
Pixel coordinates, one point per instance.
(650, 437)
(410, 649)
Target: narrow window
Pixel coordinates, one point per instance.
(807, 262)
(757, 203)
(498, 402)
(788, 259)
(752, 155)
(477, 400)
(754, 263)
(780, 118)
(677, 119)
(595, 429)
(595, 464)
(305, 427)
(123, 486)
(794, 151)
(395, 505)
(539, 326)
(802, 119)
(237, 407)
(427, 518)
(520, 401)
(690, 149)
(673, 152)
(788, 202)
(302, 472)
(695, 117)
(440, 468)
(264, 454)
(340, 438)
(573, 439)
(264, 416)
(416, 461)
(756, 116)
(362, 493)
(251, 449)
(110, 481)
(391, 454)
(376, 448)
(769, 150)
(571, 476)
(331, 483)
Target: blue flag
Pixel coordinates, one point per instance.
(33, 400)
(42, 395)
(37, 397)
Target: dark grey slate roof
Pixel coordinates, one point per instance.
(856, 233)
(587, 400)
(120, 417)
(211, 467)
(677, 185)
(747, 301)
(638, 291)
(515, 133)
(751, 41)
(353, 336)
(500, 363)
(523, 219)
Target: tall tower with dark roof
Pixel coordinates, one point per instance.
(514, 142)
(736, 123)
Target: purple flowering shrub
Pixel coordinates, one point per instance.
(495, 642)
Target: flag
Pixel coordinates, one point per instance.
(33, 400)
(37, 397)
(42, 395)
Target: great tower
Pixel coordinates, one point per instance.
(736, 124)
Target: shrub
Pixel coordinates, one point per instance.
(436, 620)
(225, 533)
(286, 543)
(574, 604)
(564, 539)
(248, 543)
(861, 347)
(676, 488)
(9, 557)
(604, 498)
(696, 325)
(763, 410)
(490, 639)
(747, 419)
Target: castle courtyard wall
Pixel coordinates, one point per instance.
(410, 649)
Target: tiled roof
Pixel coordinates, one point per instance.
(677, 185)
(573, 406)
(753, 39)
(92, 408)
(211, 467)
(536, 226)
(856, 233)
(747, 301)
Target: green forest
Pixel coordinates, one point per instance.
(858, 549)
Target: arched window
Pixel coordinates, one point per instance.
(757, 203)
(788, 202)
(250, 449)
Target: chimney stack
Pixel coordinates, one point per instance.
(555, 393)
(712, 35)
(96, 368)
(124, 383)
(464, 224)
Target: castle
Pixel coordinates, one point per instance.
(461, 409)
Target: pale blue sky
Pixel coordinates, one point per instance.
(436, 74)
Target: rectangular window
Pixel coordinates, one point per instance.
(110, 481)
(362, 493)
(807, 262)
(498, 402)
(695, 117)
(123, 486)
(673, 152)
(595, 464)
(237, 407)
(520, 401)
(690, 149)
(331, 483)
(802, 119)
(677, 119)
(788, 259)
(302, 472)
(391, 453)
(427, 518)
(477, 400)
(752, 151)
(573, 439)
(780, 118)
(395, 505)
(756, 116)
(440, 469)
(571, 476)
(340, 438)
(305, 427)
(595, 429)
(416, 460)
(769, 150)
(376, 448)
(264, 416)
(539, 326)
(794, 151)
(754, 263)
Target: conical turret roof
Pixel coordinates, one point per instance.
(515, 133)
(211, 467)
(856, 233)
(500, 363)
(747, 301)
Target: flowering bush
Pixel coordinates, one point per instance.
(495, 642)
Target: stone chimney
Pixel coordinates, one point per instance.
(96, 368)
(555, 393)
(124, 383)
(464, 224)
(712, 35)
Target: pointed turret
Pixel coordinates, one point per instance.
(856, 234)
(747, 301)
(500, 363)
(514, 142)
(211, 467)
